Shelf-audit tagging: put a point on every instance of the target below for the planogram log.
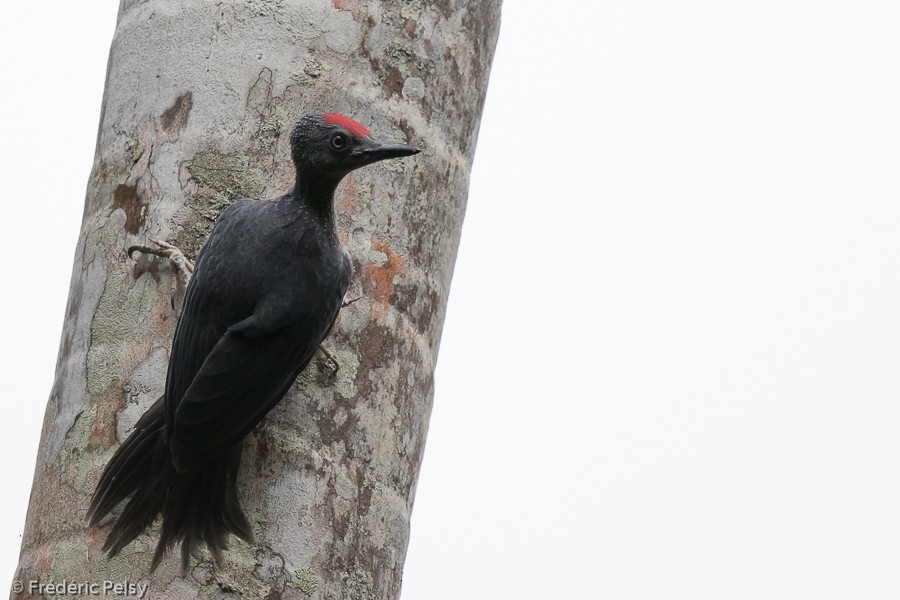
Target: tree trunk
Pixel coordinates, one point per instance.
(199, 99)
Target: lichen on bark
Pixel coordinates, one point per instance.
(219, 180)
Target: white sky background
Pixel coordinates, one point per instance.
(671, 361)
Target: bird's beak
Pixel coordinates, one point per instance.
(373, 150)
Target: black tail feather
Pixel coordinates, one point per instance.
(198, 507)
(130, 465)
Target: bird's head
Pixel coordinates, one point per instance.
(332, 144)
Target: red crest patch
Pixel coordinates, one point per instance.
(347, 123)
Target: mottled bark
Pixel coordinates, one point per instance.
(199, 99)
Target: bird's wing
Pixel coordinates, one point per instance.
(239, 382)
(195, 337)
(236, 353)
(204, 316)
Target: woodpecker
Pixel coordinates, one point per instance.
(265, 292)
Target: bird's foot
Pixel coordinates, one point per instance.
(346, 303)
(329, 359)
(166, 250)
(170, 251)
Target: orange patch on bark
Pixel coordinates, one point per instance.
(92, 541)
(380, 279)
(103, 431)
(348, 196)
(351, 5)
(44, 559)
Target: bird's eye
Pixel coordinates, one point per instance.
(339, 141)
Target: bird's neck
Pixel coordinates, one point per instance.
(317, 193)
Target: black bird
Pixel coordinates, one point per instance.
(265, 292)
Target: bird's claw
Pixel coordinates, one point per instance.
(346, 303)
(166, 250)
(329, 359)
(174, 254)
